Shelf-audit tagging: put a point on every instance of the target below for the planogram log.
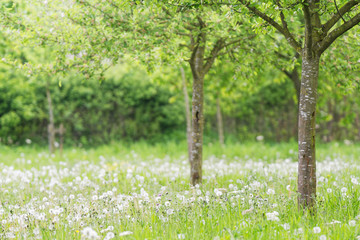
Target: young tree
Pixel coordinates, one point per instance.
(203, 36)
(322, 26)
(88, 33)
(205, 43)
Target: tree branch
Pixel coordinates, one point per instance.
(289, 37)
(219, 45)
(337, 9)
(113, 4)
(283, 56)
(186, 46)
(333, 35)
(167, 12)
(183, 34)
(344, 9)
(282, 16)
(239, 40)
(198, 49)
(308, 28)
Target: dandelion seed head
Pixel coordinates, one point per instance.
(316, 229)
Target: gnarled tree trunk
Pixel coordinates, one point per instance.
(306, 134)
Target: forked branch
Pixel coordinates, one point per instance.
(282, 29)
(343, 10)
(337, 32)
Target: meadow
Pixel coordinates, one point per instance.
(142, 191)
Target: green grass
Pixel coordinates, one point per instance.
(144, 189)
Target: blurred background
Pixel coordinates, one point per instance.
(129, 104)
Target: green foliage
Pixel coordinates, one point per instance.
(69, 42)
(17, 106)
(125, 106)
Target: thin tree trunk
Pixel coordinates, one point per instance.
(306, 132)
(295, 78)
(357, 121)
(197, 130)
(330, 123)
(187, 112)
(51, 126)
(61, 134)
(199, 68)
(219, 121)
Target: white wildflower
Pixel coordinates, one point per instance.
(89, 233)
(286, 226)
(316, 230)
(217, 192)
(125, 233)
(273, 216)
(181, 236)
(109, 235)
(354, 181)
(270, 191)
(352, 223)
(10, 235)
(298, 231)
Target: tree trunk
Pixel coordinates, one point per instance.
(330, 123)
(357, 121)
(197, 129)
(187, 112)
(51, 126)
(61, 134)
(306, 132)
(219, 121)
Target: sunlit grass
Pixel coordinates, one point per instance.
(141, 191)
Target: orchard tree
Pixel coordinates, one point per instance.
(193, 33)
(89, 34)
(323, 23)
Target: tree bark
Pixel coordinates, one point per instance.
(187, 112)
(219, 121)
(306, 132)
(51, 126)
(197, 130)
(61, 134)
(200, 66)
